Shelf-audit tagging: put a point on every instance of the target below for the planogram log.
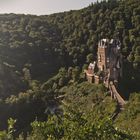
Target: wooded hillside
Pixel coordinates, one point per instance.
(42, 57)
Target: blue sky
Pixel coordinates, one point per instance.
(41, 7)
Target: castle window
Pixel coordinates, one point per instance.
(99, 58)
(103, 67)
(107, 60)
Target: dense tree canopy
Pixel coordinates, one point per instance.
(42, 58)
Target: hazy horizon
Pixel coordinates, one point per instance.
(41, 7)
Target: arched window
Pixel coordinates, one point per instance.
(100, 58)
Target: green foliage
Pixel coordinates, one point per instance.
(90, 58)
(75, 126)
(88, 99)
(76, 74)
(9, 134)
(130, 114)
(41, 58)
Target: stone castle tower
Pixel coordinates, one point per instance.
(102, 54)
(108, 63)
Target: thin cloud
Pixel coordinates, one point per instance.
(40, 7)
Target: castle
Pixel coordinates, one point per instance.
(108, 66)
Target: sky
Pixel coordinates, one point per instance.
(41, 7)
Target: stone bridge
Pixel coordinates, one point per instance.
(115, 95)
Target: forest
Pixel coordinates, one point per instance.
(43, 92)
